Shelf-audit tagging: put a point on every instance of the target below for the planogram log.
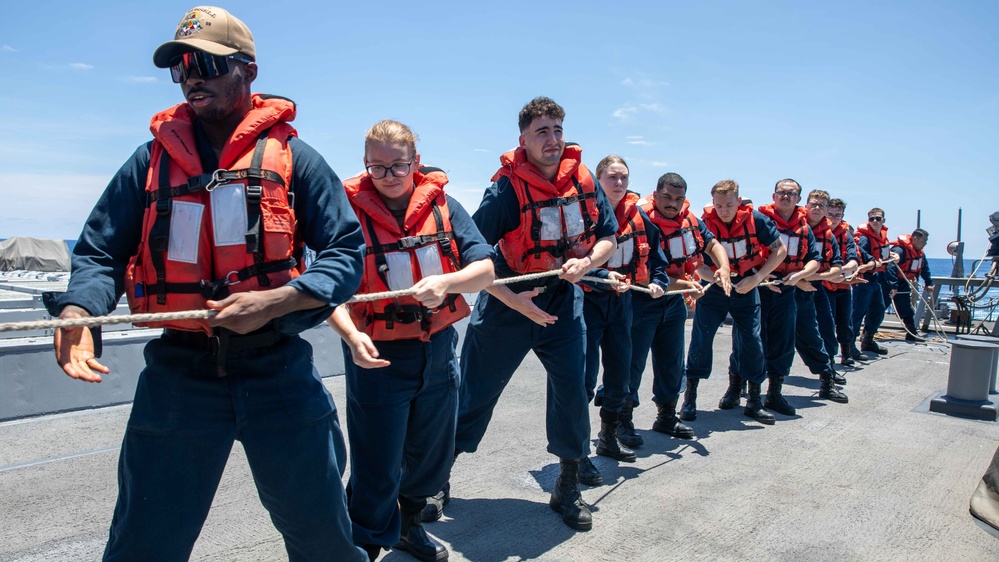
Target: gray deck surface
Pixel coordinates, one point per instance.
(877, 479)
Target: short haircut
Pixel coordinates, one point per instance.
(389, 131)
(818, 194)
(837, 204)
(672, 179)
(920, 233)
(791, 182)
(725, 187)
(607, 161)
(876, 210)
(539, 107)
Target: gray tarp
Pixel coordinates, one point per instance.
(34, 254)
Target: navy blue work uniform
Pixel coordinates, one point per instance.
(778, 314)
(714, 307)
(903, 297)
(834, 308)
(498, 338)
(611, 329)
(658, 326)
(401, 418)
(185, 417)
(808, 340)
(869, 299)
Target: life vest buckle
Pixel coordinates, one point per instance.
(408, 242)
(218, 178)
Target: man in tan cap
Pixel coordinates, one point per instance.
(212, 214)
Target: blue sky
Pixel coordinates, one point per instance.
(887, 104)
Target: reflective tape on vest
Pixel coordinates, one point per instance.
(682, 245)
(885, 253)
(623, 255)
(735, 250)
(791, 244)
(400, 266)
(917, 264)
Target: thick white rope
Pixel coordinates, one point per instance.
(92, 321)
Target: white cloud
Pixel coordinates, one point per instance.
(629, 110)
(659, 164)
(640, 142)
(81, 66)
(644, 83)
(7, 49)
(141, 79)
(481, 150)
(625, 112)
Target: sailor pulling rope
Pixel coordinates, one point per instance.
(203, 314)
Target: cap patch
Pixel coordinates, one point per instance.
(191, 24)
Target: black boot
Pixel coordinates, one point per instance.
(435, 505)
(774, 399)
(434, 509)
(607, 443)
(754, 408)
(855, 353)
(846, 358)
(731, 397)
(689, 410)
(566, 498)
(828, 390)
(910, 332)
(588, 474)
(836, 377)
(372, 550)
(667, 422)
(626, 433)
(867, 344)
(414, 539)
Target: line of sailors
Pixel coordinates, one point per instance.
(412, 407)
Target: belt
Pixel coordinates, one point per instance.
(223, 341)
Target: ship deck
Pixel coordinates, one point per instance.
(877, 479)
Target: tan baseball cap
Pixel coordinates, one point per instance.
(209, 29)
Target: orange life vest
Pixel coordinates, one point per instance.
(745, 253)
(681, 239)
(396, 258)
(823, 234)
(632, 255)
(842, 234)
(911, 264)
(558, 218)
(879, 243)
(205, 236)
(794, 233)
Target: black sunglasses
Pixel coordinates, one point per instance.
(208, 65)
(875, 218)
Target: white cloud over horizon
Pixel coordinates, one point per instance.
(7, 49)
(81, 66)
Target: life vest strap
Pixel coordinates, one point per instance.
(218, 289)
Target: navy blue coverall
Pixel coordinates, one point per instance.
(834, 310)
(401, 418)
(808, 339)
(185, 417)
(499, 337)
(714, 307)
(658, 326)
(869, 299)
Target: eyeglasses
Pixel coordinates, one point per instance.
(208, 65)
(814, 205)
(786, 193)
(834, 216)
(876, 218)
(399, 170)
